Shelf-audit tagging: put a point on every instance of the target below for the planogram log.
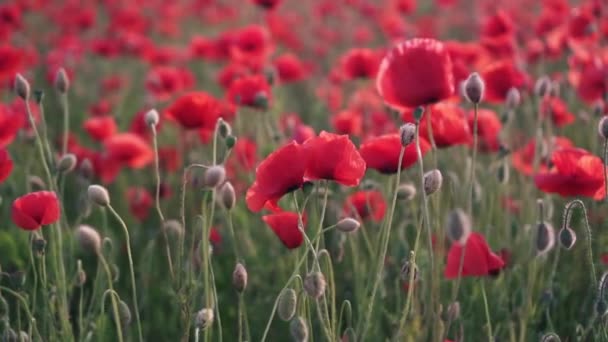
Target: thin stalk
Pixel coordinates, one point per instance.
(66, 121)
(605, 164)
(26, 308)
(473, 160)
(106, 267)
(487, 311)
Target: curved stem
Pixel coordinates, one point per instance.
(26, 308)
(566, 223)
(114, 302)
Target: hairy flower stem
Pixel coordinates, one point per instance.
(131, 270)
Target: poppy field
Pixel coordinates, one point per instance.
(282, 170)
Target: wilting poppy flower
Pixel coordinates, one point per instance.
(129, 149)
(140, 202)
(252, 91)
(285, 225)
(449, 124)
(35, 209)
(280, 173)
(366, 205)
(195, 111)
(333, 157)
(523, 158)
(499, 78)
(6, 165)
(557, 110)
(575, 172)
(360, 63)
(414, 73)
(488, 129)
(382, 153)
(100, 127)
(478, 261)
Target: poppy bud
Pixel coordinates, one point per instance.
(36, 183)
(299, 329)
(288, 300)
(406, 271)
(230, 141)
(602, 127)
(173, 227)
(38, 246)
(62, 83)
(204, 319)
(513, 98)
(22, 87)
(348, 225)
(567, 238)
(86, 169)
(227, 196)
(314, 284)
(545, 238)
(239, 277)
(407, 133)
(474, 88)
(453, 311)
(458, 226)
(432, 181)
(214, 176)
(261, 100)
(124, 313)
(67, 163)
(81, 277)
(224, 128)
(542, 86)
(598, 108)
(88, 238)
(550, 337)
(603, 285)
(418, 113)
(601, 307)
(406, 192)
(151, 118)
(98, 195)
(503, 172)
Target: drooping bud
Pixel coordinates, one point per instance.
(224, 128)
(458, 226)
(239, 277)
(36, 183)
(173, 227)
(545, 238)
(503, 172)
(407, 132)
(152, 117)
(88, 238)
(513, 98)
(38, 245)
(67, 163)
(406, 192)
(406, 271)
(62, 82)
(22, 87)
(542, 86)
(204, 319)
(314, 284)
(286, 307)
(348, 225)
(124, 313)
(567, 237)
(227, 195)
(602, 127)
(550, 337)
(432, 181)
(299, 329)
(86, 169)
(214, 176)
(474, 88)
(98, 195)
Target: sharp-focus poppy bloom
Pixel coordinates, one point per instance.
(129, 149)
(414, 73)
(6, 165)
(280, 173)
(557, 110)
(478, 261)
(100, 127)
(195, 111)
(523, 158)
(360, 63)
(35, 209)
(366, 205)
(285, 225)
(575, 172)
(382, 153)
(333, 157)
(488, 129)
(252, 91)
(140, 202)
(449, 124)
(499, 78)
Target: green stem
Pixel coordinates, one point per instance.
(104, 263)
(487, 310)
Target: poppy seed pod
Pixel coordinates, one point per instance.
(602, 127)
(98, 195)
(299, 329)
(239, 277)
(204, 318)
(314, 284)
(67, 163)
(542, 86)
(458, 226)
(22, 87)
(545, 238)
(474, 88)
(407, 132)
(151, 118)
(513, 98)
(214, 176)
(286, 307)
(62, 82)
(124, 314)
(88, 238)
(348, 225)
(227, 195)
(567, 238)
(432, 181)
(406, 192)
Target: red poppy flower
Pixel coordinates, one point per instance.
(244, 154)
(333, 157)
(35, 209)
(215, 237)
(165, 81)
(267, 4)
(499, 78)
(100, 127)
(6, 165)
(195, 111)
(558, 111)
(488, 129)
(140, 201)
(498, 25)
(348, 122)
(523, 158)
(10, 124)
(252, 91)
(449, 124)
(592, 82)
(285, 225)
(382, 153)
(252, 45)
(290, 68)
(140, 127)
(415, 73)
(366, 205)
(478, 261)
(129, 149)
(12, 60)
(360, 63)
(575, 172)
(231, 72)
(280, 173)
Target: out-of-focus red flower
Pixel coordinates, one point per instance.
(488, 129)
(557, 110)
(252, 91)
(101, 107)
(285, 225)
(100, 127)
(215, 237)
(333, 157)
(301, 133)
(267, 4)
(129, 149)
(10, 124)
(348, 122)
(140, 202)
(498, 24)
(169, 159)
(244, 154)
(449, 124)
(35, 209)
(197, 110)
(6, 165)
(499, 78)
(164, 81)
(523, 158)
(414, 73)
(252, 45)
(478, 261)
(280, 173)
(290, 68)
(366, 205)
(592, 81)
(382, 153)
(360, 63)
(231, 72)
(140, 127)
(575, 172)
(11, 62)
